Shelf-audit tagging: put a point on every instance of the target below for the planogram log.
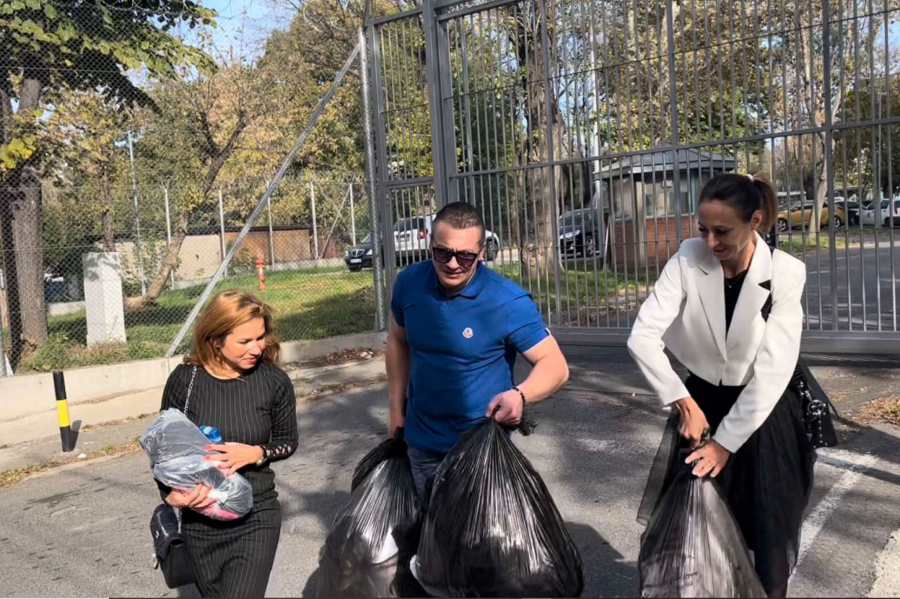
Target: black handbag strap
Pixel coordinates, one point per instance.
(187, 403)
(187, 400)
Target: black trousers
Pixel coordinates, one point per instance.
(234, 559)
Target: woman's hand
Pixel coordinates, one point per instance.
(196, 499)
(234, 456)
(693, 426)
(709, 459)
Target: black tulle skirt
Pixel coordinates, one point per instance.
(767, 482)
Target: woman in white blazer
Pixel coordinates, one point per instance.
(728, 308)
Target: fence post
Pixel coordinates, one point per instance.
(271, 235)
(137, 217)
(222, 231)
(169, 233)
(3, 369)
(312, 199)
(380, 324)
(352, 217)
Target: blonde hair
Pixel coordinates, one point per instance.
(225, 312)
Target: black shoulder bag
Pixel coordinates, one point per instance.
(173, 554)
(817, 407)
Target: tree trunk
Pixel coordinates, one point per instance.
(536, 224)
(29, 256)
(218, 158)
(821, 195)
(21, 213)
(106, 211)
(169, 263)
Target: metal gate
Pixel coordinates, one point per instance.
(584, 129)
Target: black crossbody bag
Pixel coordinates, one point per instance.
(817, 407)
(172, 550)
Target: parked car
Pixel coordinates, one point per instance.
(412, 240)
(885, 216)
(579, 232)
(851, 208)
(359, 256)
(800, 214)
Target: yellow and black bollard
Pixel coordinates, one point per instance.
(66, 435)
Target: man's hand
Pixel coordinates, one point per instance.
(196, 499)
(508, 406)
(397, 420)
(709, 459)
(693, 421)
(234, 456)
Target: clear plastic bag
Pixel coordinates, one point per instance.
(491, 528)
(363, 555)
(176, 449)
(693, 546)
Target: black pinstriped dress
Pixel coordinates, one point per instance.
(234, 558)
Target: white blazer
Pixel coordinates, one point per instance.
(686, 315)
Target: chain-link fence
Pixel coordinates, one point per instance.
(297, 258)
(136, 136)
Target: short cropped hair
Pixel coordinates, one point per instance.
(460, 215)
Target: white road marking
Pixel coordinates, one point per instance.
(855, 465)
(887, 570)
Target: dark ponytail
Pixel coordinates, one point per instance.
(747, 194)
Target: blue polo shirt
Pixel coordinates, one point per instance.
(463, 348)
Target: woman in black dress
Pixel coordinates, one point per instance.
(728, 308)
(236, 386)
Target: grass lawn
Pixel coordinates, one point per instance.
(587, 296)
(309, 304)
(321, 303)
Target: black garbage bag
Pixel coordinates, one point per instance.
(491, 528)
(362, 555)
(692, 546)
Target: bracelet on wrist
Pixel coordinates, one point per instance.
(522, 395)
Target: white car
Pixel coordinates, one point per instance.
(887, 215)
(412, 238)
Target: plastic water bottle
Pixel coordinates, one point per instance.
(212, 433)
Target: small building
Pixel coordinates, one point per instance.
(641, 191)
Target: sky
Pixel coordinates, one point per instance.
(244, 25)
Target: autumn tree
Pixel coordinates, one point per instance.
(190, 138)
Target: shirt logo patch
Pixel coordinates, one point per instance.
(467, 333)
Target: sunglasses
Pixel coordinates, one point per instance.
(464, 259)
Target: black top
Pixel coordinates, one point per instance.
(732, 293)
(259, 408)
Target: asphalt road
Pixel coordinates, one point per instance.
(84, 531)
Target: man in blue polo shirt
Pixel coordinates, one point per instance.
(456, 327)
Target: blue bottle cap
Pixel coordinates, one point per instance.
(212, 433)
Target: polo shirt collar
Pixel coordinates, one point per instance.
(471, 290)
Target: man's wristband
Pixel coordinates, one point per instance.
(522, 395)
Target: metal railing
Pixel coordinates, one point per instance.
(584, 131)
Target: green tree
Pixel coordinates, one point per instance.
(50, 47)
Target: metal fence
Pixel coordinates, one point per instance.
(584, 130)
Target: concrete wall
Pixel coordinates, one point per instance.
(200, 255)
(30, 394)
